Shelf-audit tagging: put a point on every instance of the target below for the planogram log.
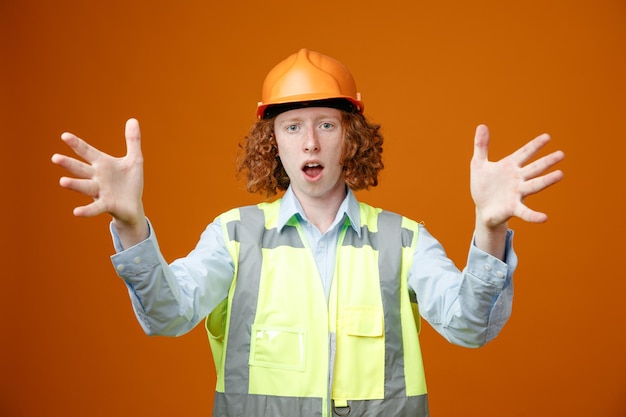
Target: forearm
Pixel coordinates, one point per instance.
(468, 308)
(155, 296)
(484, 301)
(170, 300)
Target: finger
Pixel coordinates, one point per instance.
(80, 147)
(535, 185)
(133, 138)
(481, 143)
(526, 152)
(76, 167)
(529, 215)
(87, 187)
(89, 210)
(541, 165)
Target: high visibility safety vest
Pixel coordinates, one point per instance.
(281, 349)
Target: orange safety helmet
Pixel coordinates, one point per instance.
(306, 78)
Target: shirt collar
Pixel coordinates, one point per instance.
(290, 207)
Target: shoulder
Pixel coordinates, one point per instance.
(369, 213)
(238, 212)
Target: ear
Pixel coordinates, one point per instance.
(275, 144)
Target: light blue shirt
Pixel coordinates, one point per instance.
(468, 307)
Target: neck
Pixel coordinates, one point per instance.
(321, 212)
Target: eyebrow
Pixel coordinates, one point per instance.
(316, 119)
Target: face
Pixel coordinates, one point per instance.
(310, 142)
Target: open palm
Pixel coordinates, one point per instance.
(499, 188)
(115, 184)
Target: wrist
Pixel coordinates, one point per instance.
(131, 233)
(489, 222)
(490, 235)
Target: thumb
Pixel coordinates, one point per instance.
(481, 143)
(133, 138)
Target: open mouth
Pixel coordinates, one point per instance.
(312, 169)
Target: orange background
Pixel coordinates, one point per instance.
(429, 72)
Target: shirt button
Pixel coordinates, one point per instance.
(487, 267)
(322, 244)
(500, 274)
(136, 260)
(120, 267)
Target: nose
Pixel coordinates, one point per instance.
(311, 143)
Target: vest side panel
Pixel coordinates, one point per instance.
(243, 296)
(289, 353)
(372, 291)
(360, 355)
(276, 343)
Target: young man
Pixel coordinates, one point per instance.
(313, 300)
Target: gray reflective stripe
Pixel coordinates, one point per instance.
(238, 405)
(389, 266)
(242, 405)
(367, 238)
(416, 406)
(288, 237)
(236, 372)
(372, 239)
(271, 237)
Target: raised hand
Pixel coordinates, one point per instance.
(499, 188)
(115, 184)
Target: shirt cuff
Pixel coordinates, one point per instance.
(490, 269)
(137, 259)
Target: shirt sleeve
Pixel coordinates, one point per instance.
(170, 300)
(469, 307)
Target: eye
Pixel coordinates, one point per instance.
(291, 128)
(327, 125)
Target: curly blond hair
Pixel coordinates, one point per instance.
(361, 157)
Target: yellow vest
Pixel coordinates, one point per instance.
(281, 349)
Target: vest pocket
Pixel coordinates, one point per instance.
(360, 356)
(278, 347)
(363, 321)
